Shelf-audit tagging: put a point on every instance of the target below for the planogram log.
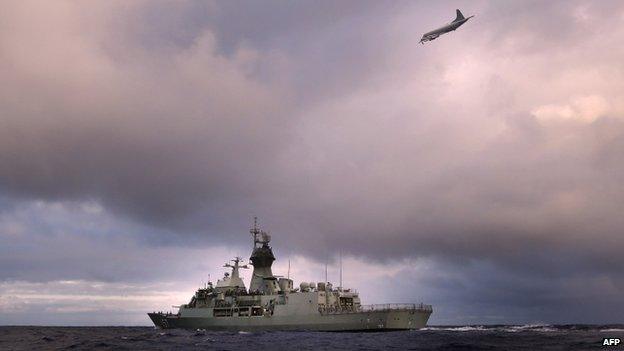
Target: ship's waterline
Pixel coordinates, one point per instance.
(272, 303)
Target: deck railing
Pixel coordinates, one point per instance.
(378, 307)
(396, 306)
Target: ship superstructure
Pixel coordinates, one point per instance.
(272, 303)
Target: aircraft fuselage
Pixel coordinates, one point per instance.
(448, 28)
(458, 22)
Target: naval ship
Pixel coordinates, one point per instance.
(272, 303)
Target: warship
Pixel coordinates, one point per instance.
(272, 303)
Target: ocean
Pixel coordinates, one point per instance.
(501, 337)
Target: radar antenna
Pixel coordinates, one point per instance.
(264, 238)
(255, 231)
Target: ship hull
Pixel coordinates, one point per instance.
(396, 319)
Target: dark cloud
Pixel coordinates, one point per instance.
(152, 137)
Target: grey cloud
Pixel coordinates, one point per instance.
(153, 137)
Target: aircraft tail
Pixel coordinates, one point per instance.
(459, 16)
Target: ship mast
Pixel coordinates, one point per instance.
(254, 232)
(235, 267)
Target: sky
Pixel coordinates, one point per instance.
(480, 173)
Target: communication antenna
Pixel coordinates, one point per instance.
(326, 269)
(341, 269)
(288, 269)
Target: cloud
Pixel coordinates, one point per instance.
(584, 109)
(153, 137)
(80, 302)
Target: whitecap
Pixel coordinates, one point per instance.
(460, 329)
(530, 327)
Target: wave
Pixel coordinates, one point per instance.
(530, 327)
(544, 328)
(612, 330)
(460, 329)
